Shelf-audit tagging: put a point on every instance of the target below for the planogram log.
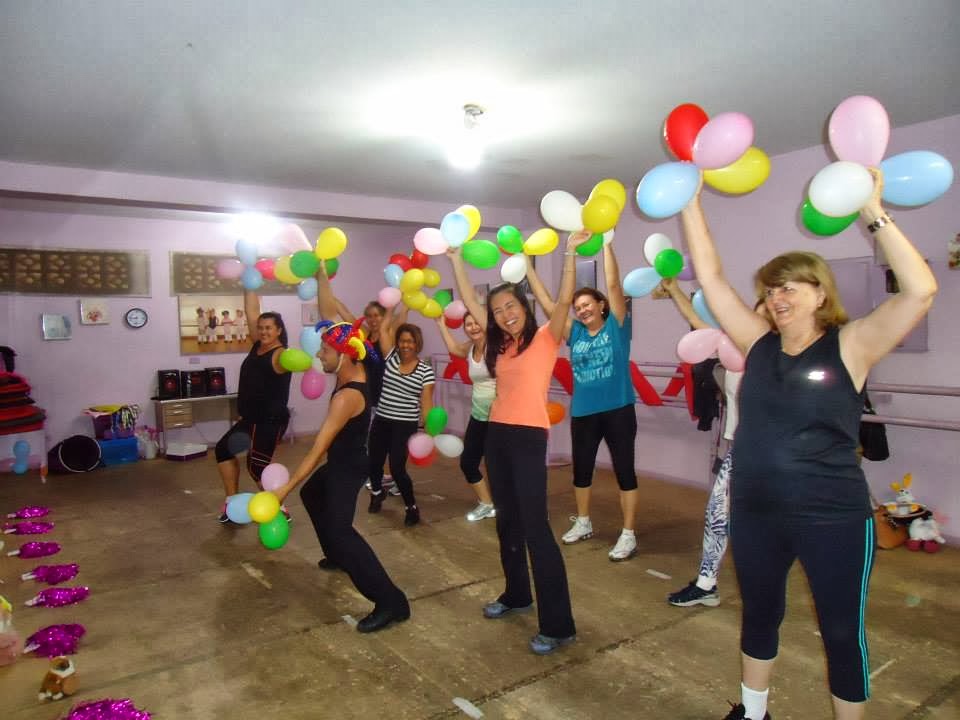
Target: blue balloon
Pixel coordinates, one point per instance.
(21, 450)
(702, 311)
(641, 281)
(238, 508)
(247, 251)
(310, 341)
(915, 178)
(19, 468)
(393, 274)
(455, 228)
(666, 189)
(307, 289)
(251, 279)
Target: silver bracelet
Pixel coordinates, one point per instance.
(880, 222)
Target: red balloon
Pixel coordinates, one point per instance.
(681, 128)
(452, 324)
(266, 269)
(419, 259)
(402, 260)
(424, 461)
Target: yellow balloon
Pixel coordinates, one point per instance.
(431, 278)
(743, 176)
(330, 243)
(613, 189)
(283, 273)
(415, 300)
(543, 241)
(412, 280)
(432, 309)
(263, 507)
(473, 216)
(600, 214)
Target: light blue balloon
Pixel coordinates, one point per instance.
(666, 189)
(393, 274)
(702, 311)
(251, 279)
(21, 449)
(641, 282)
(238, 508)
(310, 341)
(20, 468)
(915, 178)
(307, 289)
(455, 228)
(247, 251)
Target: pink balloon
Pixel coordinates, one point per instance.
(455, 310)
(292, 238)
(265, 267)
(420, 445)
(389, 296)
(312, 384)
(430, 241)
(229, 269)
(698, 345)
(730, 356)
(687, 273)
(722, 140)
(274, 477)
(859, 130)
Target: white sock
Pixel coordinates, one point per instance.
(754, 702)
(706, 584)
(584, 519)
(624, 531)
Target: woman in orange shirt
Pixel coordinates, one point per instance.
(521, 358)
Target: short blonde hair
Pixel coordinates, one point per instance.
(805, 267)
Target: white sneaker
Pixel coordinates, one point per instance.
(582, 530)
(481, 511)
(625, 548)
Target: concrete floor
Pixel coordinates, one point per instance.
(194, 620)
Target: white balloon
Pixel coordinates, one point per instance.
(449, 445)
(654, 245)
(514, 268)
(608, 237)
(562, 211)
(841, 188)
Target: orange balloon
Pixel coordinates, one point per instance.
(555, 412)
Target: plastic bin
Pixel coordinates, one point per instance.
(103, 428)
(117, 452)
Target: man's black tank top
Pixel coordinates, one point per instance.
(262, 393)
(795, 448)
(349, 447)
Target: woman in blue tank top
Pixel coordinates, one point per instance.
(797, 492)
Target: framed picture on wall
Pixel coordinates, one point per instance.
(94, 311)
(309, 314)
(55, 327)
(213, 324)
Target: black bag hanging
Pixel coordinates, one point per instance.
(873, 436)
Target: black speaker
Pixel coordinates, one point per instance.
(168, 384)
(193, 383)
(216, 381)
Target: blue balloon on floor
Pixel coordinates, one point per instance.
(238, 508)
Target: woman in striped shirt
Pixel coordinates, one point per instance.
(405, 400)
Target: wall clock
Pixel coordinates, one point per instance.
(135, 318)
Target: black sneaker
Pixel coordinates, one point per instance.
(412, 517)
(737, 712)
(694, 595)
(326, 563)
(224, 519)
(376, 502)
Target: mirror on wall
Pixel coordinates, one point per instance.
(213, 324)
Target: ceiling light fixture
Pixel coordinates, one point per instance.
(465, 149)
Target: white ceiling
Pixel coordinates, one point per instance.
(353, 96)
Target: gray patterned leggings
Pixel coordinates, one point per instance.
(716, 524)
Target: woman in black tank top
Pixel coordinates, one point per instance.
(797, 491)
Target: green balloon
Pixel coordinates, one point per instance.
(510, 240)
(592, 246)
(668, 263)
(304, 264)
(331, 266)
(443, 297)
(436, 421)
(482, 254)
(274, 534)
(820, 224)
(295, 360)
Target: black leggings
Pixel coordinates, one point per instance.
(517, 464)
(390, 437)
(330, 499)
(473, 441)
(259, 440)
(837, 558)
(619, 428)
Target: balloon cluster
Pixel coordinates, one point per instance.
(721, 146)
(665, 261)
(297, 266)
(698, 345)
(563, 211)
(407, 276)
(263, 508)
(859, 130)
(423, 446)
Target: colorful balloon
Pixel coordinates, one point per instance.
(312, 385)
(420, 445)
(730, 356)
(431, 278)
(824, 225)
(915, 178)
(330, 267)
(655, 244)
(393, 274)
(600, 213)
(481, 254)
(295, 360)
(402, 261)
(283, 272)
(541, 242)
(455, 310)
(514, 269)
(304, 264)
(251, 279)
(698, 345)
(841, 188)
(449, 445)
(265, 267)
(275, 532)
(681, 128)
(859, 130)
(263, 507)
(592, 246)
(307, 289)
(389, 296)
(443, 297)
(613, 189)
(668, 263)
(415, 299)
(238, 508)
(722, 140)
(473, 217)
(562, 211)
(641, 282)
(418, 259)
(229, 269)
(310, 341)
(430, 241)
(330, 243)
(436, 421)
(412, 280)
(274, 477)
(432, 309)
(745, 175)
(246, 250)
(555, 412)
(510, 240)
(455, 229)
(702, 310)
(666, 189)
